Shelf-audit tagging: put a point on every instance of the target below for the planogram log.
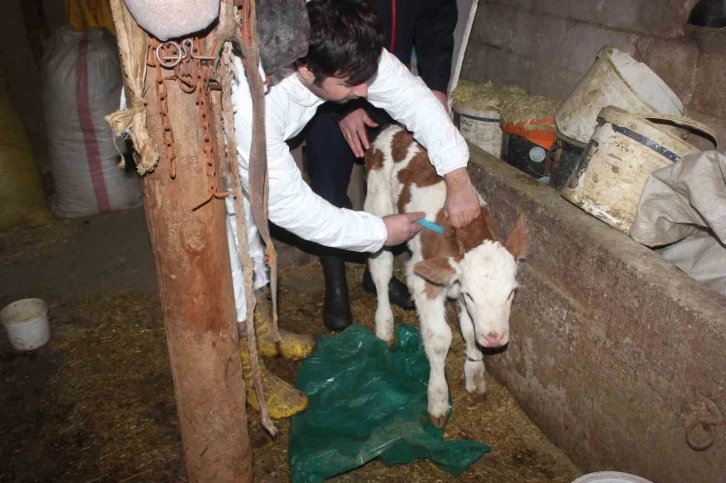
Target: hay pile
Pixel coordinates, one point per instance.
(525, 109)
(487, 96)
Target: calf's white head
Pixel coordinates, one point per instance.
(485, 277)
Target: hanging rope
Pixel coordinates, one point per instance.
(259, 180)
(242, 243)
(133, 119)
(236, 26)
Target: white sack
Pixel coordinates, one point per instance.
(683, 210)
(168, 19)
(81, 85)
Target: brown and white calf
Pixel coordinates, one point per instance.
(469, 264)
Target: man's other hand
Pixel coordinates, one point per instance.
(462, 202)
(442, 98)
(353, 127)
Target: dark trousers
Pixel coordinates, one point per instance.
(328, 156)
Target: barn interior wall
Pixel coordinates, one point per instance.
(548, 45)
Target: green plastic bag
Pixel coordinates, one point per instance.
(368, 402)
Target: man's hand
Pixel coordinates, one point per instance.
(442, 98)
(462, 202)
(353, 127)
(401, 227)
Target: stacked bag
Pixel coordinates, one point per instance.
(82, 82)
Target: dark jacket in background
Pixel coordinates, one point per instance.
(427, 24)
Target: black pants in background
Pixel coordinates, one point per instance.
(328, 156)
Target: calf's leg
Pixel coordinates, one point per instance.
(378, 202)
(437, 340)
(474, 365)
(381, 266)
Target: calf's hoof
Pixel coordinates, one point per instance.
(438, 421)
(475, 377)
(385, 332)
(389, 342)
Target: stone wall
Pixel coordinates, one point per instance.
(548, 45)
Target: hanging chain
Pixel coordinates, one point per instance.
(204, 105)
(162, 96)
(185, 62)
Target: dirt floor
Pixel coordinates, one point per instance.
(96, 404)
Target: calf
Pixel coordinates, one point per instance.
(468, 264)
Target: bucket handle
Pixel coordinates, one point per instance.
(683, 121)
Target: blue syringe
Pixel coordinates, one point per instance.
(430, 225)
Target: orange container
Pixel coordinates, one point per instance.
(540, 131)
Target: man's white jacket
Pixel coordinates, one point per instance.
(289, 106)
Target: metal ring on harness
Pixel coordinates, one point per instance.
(175, 59)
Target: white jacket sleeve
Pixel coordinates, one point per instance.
(409, 101)
(292, 204)
(295, 207)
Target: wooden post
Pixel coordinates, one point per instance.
(192, 263)
(192, 266)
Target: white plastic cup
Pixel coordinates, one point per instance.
(610, 477)
(26, 322)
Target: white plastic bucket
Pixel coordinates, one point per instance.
(480, 127)
(26, 322)
(610, 477)
(625, 148)
(615, 79)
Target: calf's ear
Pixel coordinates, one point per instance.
(438, 271)
(516, 242)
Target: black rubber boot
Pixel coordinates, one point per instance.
(397, 291)
(336, 309)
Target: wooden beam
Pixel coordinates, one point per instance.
(192, 263)
(192, 266)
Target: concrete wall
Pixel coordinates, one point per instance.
(614, 352)
(547, 45)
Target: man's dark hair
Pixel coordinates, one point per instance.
(346, 40)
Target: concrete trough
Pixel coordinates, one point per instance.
(615, 353)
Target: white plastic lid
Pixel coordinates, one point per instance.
(610, 477)
(646, 83)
